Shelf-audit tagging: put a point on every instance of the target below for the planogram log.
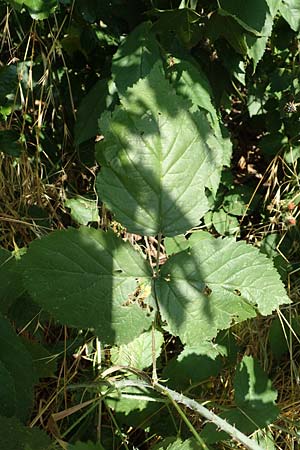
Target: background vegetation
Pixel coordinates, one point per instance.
(62, 65)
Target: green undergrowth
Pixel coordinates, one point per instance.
(149, 203)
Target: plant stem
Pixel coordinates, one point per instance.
(117, 427)
(174, 396)
(154, 371)
(189, 425)
(159, 239)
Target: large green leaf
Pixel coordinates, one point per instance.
(214, 283)
(255, 400)
(18, 364)
(87, 278)
(14, 436)
(290, 11)
(156, 158)
(135, 57)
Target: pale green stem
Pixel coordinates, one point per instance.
(220, 423)
(189, 425)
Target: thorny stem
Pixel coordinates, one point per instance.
(174, 396)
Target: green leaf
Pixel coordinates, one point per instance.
(234, 63)
(171, 443)
(189, 80)
(227, 27)
(224, 223)
(97, 100)
(150, 145)
(257, 46)
(292, 154)
(269, 246)
(235, 202)
(272, 143)
(290, 11)
(141, 408)
(8, 84)
(190, 368)
(135, 57)
(251, 384)
(38, 9)
(254, 398)
(9, 143)
(135, 406)
(215, 283)
(278, 338)
(8, 401)
(265, 439)
(87, 278)
(178, 243)
(11, 286)
(274, 6)
(44, 363)
(138, 353)
(14, 436)
(83, 210)
(256, 17)
(184, 21)
(18, 363)
(250, 15)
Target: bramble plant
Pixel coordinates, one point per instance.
(149, 268)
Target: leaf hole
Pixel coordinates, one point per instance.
(237, 292)
(127, 303)
(207, 291)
